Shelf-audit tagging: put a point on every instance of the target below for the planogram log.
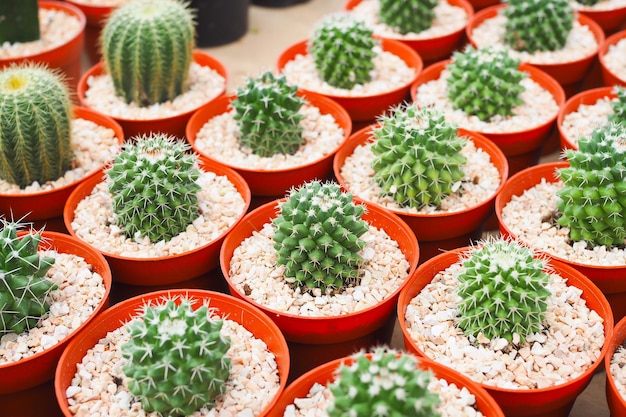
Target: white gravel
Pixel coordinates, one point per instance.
(582, 121)
(618, 370)
(615, 59)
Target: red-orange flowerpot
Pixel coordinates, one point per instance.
(96, 14)
(482, 4)
(610, 20)
(609, 77)
(617, 403)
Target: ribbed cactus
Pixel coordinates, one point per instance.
(538, 25)
(592, 202)
(485, 82)
(409, 15)
(389, 384)
(418, 156)
(618, 106)
(147, 48)
(342, 48)
(19, 21)
(317, 237)
(266, 110)
(24, 286)
(153, 184)
(176, 358)
(35, 115)
(503, 291)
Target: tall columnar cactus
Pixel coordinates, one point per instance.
(503, 291)
(409, 15)
(35, 115)
(342, 48)
(24, 286)
(147, 48)
(618, 106)
(176, 358)
(317, 237)
(418, 156)
(592, 202)
(538, 25)
(485, 82)
(19, 21)
(266, 110)
(389, 384)
(153, 184)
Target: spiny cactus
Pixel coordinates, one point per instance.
(618, 106)
(176, 358)
(147, 48)
(409, 15)
(342, 48)
(153, 184)
(485, 82)
(503, 291)
(24, 286)
(266, 110)
(35, 132)
(19, 21)
(388, 384)
(538, 25)
(592, 202)
(317, 237)
(418, 156)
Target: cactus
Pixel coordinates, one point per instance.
(342, 48)
(35, 114)
(266, 110)
(388, 384)
(618, 106)
(19, 21)
(538, 25)
(587, 2)
(417, 156)
(485, 82)
(23, 282)
(147, 48)
(592, 202)
(317, 237)
(176, 358)
(409, 15)
(153, 184)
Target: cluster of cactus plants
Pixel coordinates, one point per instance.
(19, 21)
(408, 16)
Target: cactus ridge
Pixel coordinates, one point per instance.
(409, 15)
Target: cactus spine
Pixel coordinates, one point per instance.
(19, 21)
(409, 15)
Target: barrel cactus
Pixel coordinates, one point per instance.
(266, 110)
(408, 16)
(317, 237)
(618, 106)
(176, 358)
(147, 48)
(19, 21)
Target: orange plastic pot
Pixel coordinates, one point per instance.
(609, 77)
(610, 20)
(223, 305)
(365, 108)
(273, 182)
(96, 14)
(163, 270)
(482, 4)
(556, 401)
(617, 403)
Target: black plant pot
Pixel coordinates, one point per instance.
(277, 3)
(219, 22)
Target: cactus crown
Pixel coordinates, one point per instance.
(408, 16)
(35, 119)
(418, 156)
(538, 25)
(176, 358)
(592, 202)
(266, 110)
(19, 21)
(342, 48)
(485, 82)
(23, 282)
(317, 237)
(619, 106)
(388, 384)
(153, 184)
(147, 48)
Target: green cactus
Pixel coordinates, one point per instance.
(317, 237)
(147, 48)
(417, 156)
(408, 15)
(485, 82)
(35, 132)
(153, 184)
(587, 2)
(592, 202)
(389, 384)
(176, 358)
(538, 25)
(19, 21)
(24, 286)
(342, 48)
(266, 110)
(618, 106)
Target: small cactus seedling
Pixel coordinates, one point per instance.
(24, 286)
(153, 184)
(389, 384)
(266, 110)
(592, 202)
(19, 21)
(418, 156)
(503, 291)
(342, 48)
(409, 15)
(176, 358)
(618, 106)
(317, 237)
